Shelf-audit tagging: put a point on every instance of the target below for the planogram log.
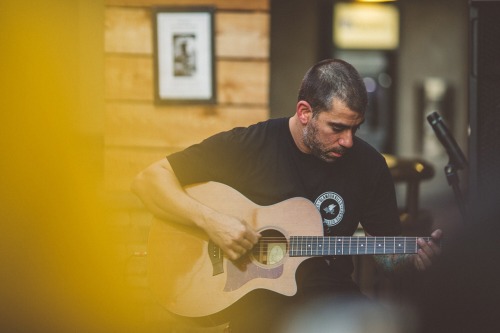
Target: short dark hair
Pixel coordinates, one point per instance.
(333, 78)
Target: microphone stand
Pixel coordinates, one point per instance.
(451, 172)
(456, 160)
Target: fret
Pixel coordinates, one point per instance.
(399, 245)
(379, 245)
(314, 246)
(411, 246)
(355, 245)
(300, 246)
(362, 245)
(389, 245)
(338, 245)
(370, 245)
(345, 245)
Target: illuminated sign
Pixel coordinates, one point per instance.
(365, 26)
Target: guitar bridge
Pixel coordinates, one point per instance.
(216, 258)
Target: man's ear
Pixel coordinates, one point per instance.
(304, 112)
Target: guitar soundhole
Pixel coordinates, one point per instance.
(271, 249)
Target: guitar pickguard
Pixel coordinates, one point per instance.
(245, 270)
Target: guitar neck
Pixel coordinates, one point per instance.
(310, 246)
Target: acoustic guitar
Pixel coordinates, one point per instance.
(190, 276)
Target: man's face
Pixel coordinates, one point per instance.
(330, 134)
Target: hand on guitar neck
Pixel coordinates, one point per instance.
(427, 251)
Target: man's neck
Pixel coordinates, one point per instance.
(296, 129)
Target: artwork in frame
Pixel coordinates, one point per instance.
(184, 55)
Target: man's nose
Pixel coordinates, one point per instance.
(346, 139)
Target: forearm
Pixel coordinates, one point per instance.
(164, 197)
(395, 264)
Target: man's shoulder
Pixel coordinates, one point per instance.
(366, 158)
(262, 129)
(365, 149)
(271, 123)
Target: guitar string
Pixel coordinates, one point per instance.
(345, 243)
(370, 244)
(304, 246)
(340, 238)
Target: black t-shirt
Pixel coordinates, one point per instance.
(263, 163)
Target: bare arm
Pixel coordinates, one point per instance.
(160, 191)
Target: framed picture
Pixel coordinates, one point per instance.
(184, 55)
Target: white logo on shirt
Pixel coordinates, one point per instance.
(331, 207)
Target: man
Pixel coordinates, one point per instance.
(314, 154)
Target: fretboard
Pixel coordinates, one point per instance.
(308, 246)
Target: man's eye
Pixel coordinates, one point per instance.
(338, 128)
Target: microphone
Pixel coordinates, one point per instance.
(456, 155)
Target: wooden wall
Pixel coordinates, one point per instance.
(137, 132)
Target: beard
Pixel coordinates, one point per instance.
(317, 148)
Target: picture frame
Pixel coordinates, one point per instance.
(184, 55)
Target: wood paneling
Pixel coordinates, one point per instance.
(128, 30)
(146, 125)
(243, 82)
(243, 35)
(238, 34)
(121, 164)
(129, 78)
(220, 4)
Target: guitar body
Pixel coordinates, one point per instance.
(191, 277)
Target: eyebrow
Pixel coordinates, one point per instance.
(344, 126)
